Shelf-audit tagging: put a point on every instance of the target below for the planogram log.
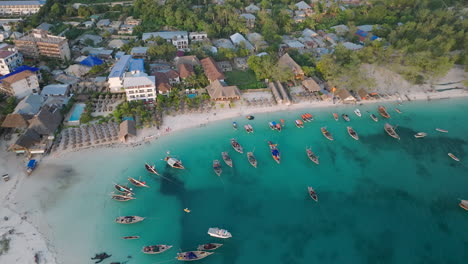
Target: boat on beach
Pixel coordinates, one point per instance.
(156, 249)
(357, 112)
(312, 193)
(137, 183)
(217, 167)
(345, 117)
(299, 123)
(252, 159)
(391, 131)
(312, 156)
(275, 154)
(420, 135)
(236, 146)
(122, 198)
(218, 232)
(123, 189)
(326, 133)
(383, 111)
(335, 116)
(31, 166)
(374, 117)
(193, 255)
(151, 169)
(130, 237)
(209, 246)
(173, 162)
(234, 125)
(442, 130)
(227, 159)
(453, 157)
(464, 204)
(131, 219)
(352, 133)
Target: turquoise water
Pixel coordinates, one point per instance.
(380, 200)
(76, 113)
(191, 95)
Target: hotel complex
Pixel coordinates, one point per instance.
(19, 8)
(40, 43)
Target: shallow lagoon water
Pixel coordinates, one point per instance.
(380, 200)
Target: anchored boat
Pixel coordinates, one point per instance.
(252, 159)
(352, 133)
(234, 125)
(122, 198)
(219, 233)
(174, 163)
(156, 249)
(464, 204)
(357, 112)
(312, 156)
(299, 123)
(236, 146)
(275, 154)
(312, 193)
(209, 246)
(217, 167)
(345, 117)
(335, 116)
(326, 133)
(453, 157)
(151, 169)
(391, 131)
(123, 189)
(383, 111)
(398, 110)
(227, 159)
(137, 183)
(442, 130)
(374, 117)
(131, 219)
(130, 237)
(193, 255)
(420, 135)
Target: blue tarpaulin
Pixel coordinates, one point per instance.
(32, 164)
(91, 61)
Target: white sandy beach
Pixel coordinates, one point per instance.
(27, 239)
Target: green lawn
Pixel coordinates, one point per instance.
(243, 79)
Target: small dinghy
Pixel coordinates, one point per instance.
(326, 133)
(156, 249)
(209, 246)
(312, 193)
(236, 146)
(193, 255)
(312, 156)
(122, 198)
(398, 110)
(345, 117)
(391, 131)
(299, 123)
(137, 183)
(217, 167)
(442, 130)
(453, 157)
(151, 169)
(130, 237)
(123, 189)
(252, 159)
(374, 117)
(420, 135)
(174, 163)
(357, 112)
(131, 219)
(352, 133)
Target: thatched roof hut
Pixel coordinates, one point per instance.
(127, 129)
(16, 121)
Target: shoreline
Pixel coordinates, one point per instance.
(33, 234)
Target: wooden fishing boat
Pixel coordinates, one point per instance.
(442, 130)
(131, 219)
(352, 133)
(335, 116)
(272, 125)
(309, 117)
(227, 159)
(391, 131)
(312, 193)
(312, 156)
(250, 128)
(326, 133)
(209, 246)
(275, 154)
(278, 127)
(246, 127)
(193, 255)
(234, 125)
(217, 167)
(252, 160)
(250, 117)
(420, 135)
(299, 123)
(374, 117)
(151, 169)
(357, 112)
(130, 237)
(453, 157)
(137, 183)
(398, 110)
(282, 122)
(174, 163)
(122, 198)
(156, 249)
(219, 233)
(464, 204)
(123, 189)
(304, 118)
(383, 112)
(236, 146)
(345, 117)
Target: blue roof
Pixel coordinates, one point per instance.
(20, 69)
(91, 61)
(362, 33)
(137, 65)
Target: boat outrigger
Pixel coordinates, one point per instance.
(352, 133)
(275, 154)
(151, 169)
(209, 246)
(137, 183)
(123, 189)
(173, 162)
(236, 146)
(31, 166)
(193, 255)
(391, 131)
(252, 159)
(345, 117)
(131, 219)
(357, 112)
(157, 249)
(227, 159)
(312, 193)
(453, 157)
(383, 111)
(217, 167)
(299, 123)
(130, 237)
(312, 156)
(420, 135)
(326, 133)
(464, 204)
(335, 116)
(218, 232)
(374, 117)
(234, 125)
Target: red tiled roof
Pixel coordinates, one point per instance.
(185, 70)
(212, 70)
(162, 82)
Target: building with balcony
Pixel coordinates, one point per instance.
(19, 8)
(40, 43)
(10, 59)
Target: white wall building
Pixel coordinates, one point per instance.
(20, 84)
(116, 76)
(198, 36)
(20, 8)
(10, 59)
(140, 88)
(178, 38)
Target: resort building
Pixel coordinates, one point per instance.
(115, 78)
(127, 129)
(288, 63)
(41, 43)
(10, 59)
(311, 85)
(219, 91)
(20, 83)
(20, 8)
(178, 38)
(211, 69)
(140, 88)
(198, 36)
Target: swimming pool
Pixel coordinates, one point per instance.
(76, 112)
(192, 95)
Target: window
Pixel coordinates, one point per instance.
(141, 91)
(132, 96)
(150, 95)
(142, 95)
(149, 90)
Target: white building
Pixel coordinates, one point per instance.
(10, 59)
(237, 39)
(20, 83)
(178, 38)
(20, 8)
(140, 88)
(116, 76)
(198, 36)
